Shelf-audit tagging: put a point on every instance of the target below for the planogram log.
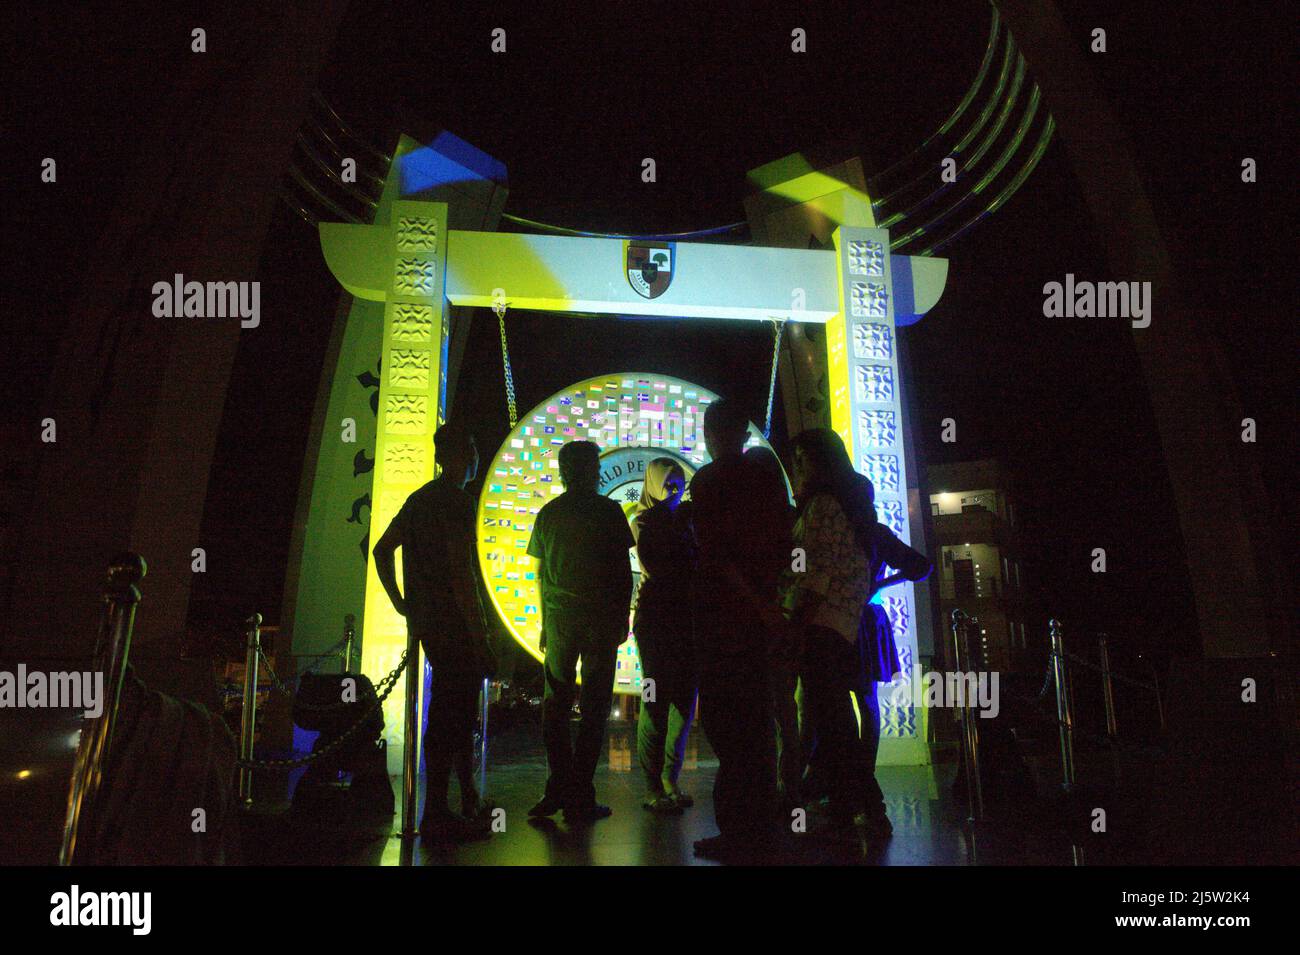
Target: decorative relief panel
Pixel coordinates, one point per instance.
(416, 277)
(897, 721)
(866, 257)
(869, 300)
(873, 341)
(412, 323)
(417, 234)
(883, 472)
(878, 429)
(405, 462)
(890, 514)
(874, 383)
(406, 414)
(391, 501)
(900, 616)
(408, 369)
(904, 650)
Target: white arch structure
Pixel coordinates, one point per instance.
(415, 266)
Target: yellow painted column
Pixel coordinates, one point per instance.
(412, 399)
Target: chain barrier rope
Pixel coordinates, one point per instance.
(1035, 701)
(324, 655)
(390, 680)
(280, 686)
(1115, 674)
(1033, 704)
(505, 364)
(1047, 680)
(778, 330)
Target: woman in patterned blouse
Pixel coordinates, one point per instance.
(841, 553)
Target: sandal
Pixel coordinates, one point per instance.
(661, 805)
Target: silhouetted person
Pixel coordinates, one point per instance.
(664, 633)
(845, 548)
(581, 542)
(741, 520)
(790, 760)
(878, 655)
(442, 602)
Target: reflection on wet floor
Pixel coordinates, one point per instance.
(632, 836)
(36, 754)
(927, 826)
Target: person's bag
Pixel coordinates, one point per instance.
(877, 645)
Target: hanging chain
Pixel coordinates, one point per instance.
(778, 329)
(382, 690)
(505, 363)
(279, 685)
(1114, 674)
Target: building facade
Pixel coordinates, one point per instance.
(979, 560)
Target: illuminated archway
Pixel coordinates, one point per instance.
(419, 259)
(633, 417)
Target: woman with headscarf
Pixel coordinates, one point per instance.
(845, 550)
(662, 625)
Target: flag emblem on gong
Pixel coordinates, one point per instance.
(649, 267)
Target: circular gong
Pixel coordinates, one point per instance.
(633, 417)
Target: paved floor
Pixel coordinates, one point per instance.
(36, 754)
(36, 759)
(926, 830)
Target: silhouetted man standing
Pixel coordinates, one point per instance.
(742, 524)
(444, 610)
(581, 542)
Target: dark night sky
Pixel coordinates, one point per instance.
(577, 103)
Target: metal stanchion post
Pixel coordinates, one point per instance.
(972, 726)
(1064, 708)
(411, 737)
(961, 624)
(1107, 688)
(111, 652)
(483, 749)
(1064, 718)
(349, 635)
(248, 718)
(1160, 700)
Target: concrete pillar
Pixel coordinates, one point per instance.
(848, 375)
(1196, 410)
(138, 399)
